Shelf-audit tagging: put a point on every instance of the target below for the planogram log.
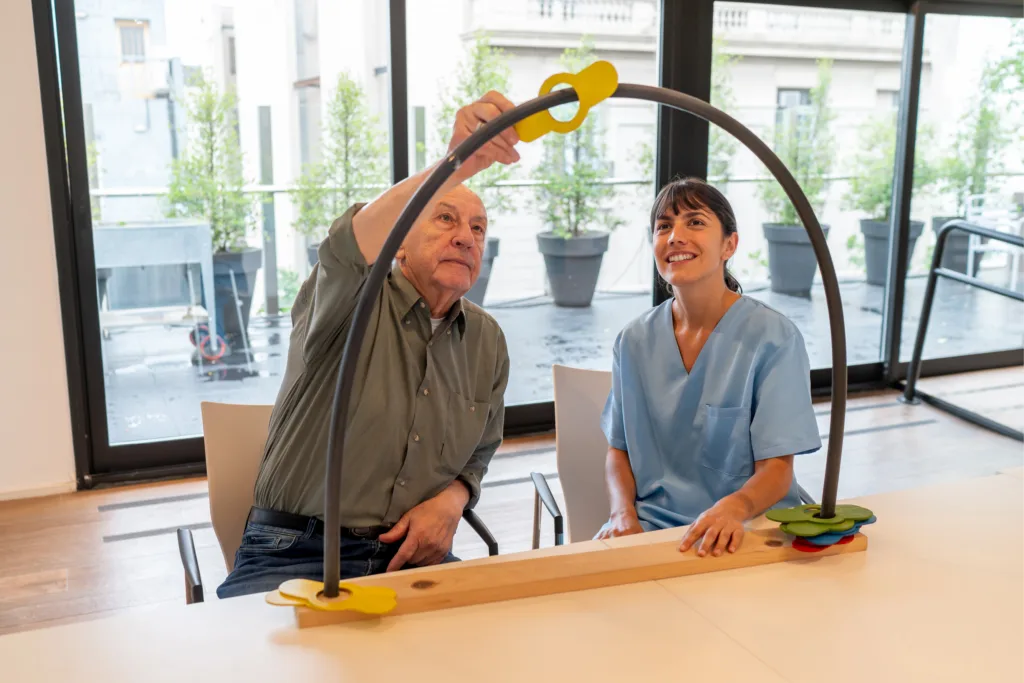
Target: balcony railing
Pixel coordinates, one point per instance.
(797, 26)
(594, 17)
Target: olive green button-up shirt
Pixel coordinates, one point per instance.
(427, 406)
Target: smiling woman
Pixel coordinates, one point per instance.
(707, 217)
(721, 378)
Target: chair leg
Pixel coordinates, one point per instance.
(536, 519)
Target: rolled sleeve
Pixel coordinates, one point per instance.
(612, 423)
(339, 275)
(783, 422)
(473, 473)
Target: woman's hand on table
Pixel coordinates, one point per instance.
(622, 523)
(719, 528)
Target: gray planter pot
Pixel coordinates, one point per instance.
(245, 265)
(954, 256)
(876, 248)
(573, 266)
(476, 294)
(791, 260)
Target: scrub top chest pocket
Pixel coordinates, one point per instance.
(463, 429)
(726, 441)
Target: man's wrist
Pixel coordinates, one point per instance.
(460, 494)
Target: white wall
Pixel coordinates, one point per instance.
(35, 426)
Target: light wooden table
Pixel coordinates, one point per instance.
(939, 595)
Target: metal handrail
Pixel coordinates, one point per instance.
(911, 394)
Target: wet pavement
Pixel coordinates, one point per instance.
(154, 391)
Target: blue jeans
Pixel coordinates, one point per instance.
(271, 555)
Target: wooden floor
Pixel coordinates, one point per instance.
(85, 555)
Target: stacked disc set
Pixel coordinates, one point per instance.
(814, 533)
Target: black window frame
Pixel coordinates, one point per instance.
(684, 63)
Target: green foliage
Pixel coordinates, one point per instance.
(571, 195)
(1007, 73)
(758, 257)
(92, 155)
(721, 145)
(981, 135)
(870, 190)
(354, 166)
(483, 68)
(855, 250)
(288, 284)
(804, 143)
(207, 179)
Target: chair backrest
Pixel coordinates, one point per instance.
(234, 437)
(580, 448)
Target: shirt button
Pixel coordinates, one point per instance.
(472, 409)
(422, 305)
(415, 437)
(401, 482)
(406, 321)
(449, 331)
(426, 392)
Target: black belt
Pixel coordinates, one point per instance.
(287, 520)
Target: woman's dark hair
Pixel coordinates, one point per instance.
(693, 194)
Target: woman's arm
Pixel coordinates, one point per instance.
(623, 519)
(721, 525)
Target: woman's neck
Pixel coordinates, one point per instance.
(701, 305)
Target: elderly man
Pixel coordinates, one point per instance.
(428, 411)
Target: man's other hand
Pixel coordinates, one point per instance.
(428, 529)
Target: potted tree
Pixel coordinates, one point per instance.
(353, 167)
(804, 142)
(482, 68)
(966, 170)
(573, 202)
(870, 191)
(207, 183)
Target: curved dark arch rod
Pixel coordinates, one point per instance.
(421, 198)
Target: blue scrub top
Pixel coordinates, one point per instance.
(693, 437)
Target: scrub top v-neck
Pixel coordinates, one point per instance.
(693, 437)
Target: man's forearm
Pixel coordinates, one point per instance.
(620, 481)
(771, 481)
(374, 222)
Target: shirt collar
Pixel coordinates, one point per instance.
(409, 298)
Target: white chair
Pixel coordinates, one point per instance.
(580, 450)
(234, 438)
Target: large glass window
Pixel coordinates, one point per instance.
(587, 193)
(223, 138)
(821, 87)
(970, 164)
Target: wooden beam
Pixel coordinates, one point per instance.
(562, 570)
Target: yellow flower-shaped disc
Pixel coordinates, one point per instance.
(307, 593)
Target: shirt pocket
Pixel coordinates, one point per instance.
(726, 448)
(463, 430)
